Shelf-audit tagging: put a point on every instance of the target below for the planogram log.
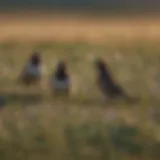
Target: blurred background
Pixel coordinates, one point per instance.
(92, 4)
(81, 19)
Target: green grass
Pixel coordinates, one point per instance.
(36, 126)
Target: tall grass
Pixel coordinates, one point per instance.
(38, 126)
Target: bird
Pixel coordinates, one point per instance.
(106, 82)
(31, 74)
(60, 80)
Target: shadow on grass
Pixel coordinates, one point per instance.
(91, 102)
(25, 99)
(19, 98)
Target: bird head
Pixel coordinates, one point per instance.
(35, 59)
(100, 64)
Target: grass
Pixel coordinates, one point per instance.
(38, 126)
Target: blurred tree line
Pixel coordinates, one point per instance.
(93, 4)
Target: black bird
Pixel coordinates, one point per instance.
(106, 82)
(31, 74)
(60, 80)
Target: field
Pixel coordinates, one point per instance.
(36, 126)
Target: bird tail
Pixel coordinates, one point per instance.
(125, 95)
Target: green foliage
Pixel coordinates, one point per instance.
(124, 139)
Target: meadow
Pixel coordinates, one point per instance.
(34, 125)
